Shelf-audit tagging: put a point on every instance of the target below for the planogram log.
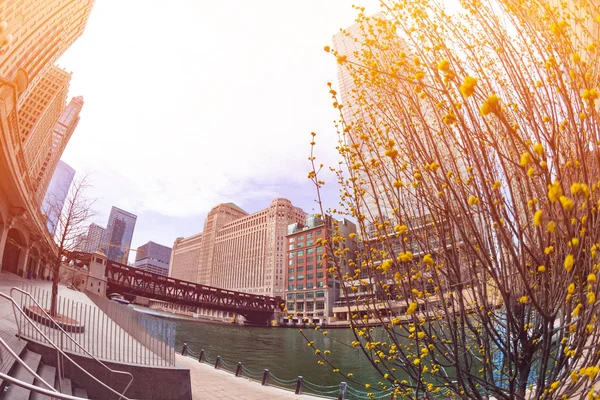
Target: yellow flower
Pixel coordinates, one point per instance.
(554, 191)
(496, 185)
(341, 59)
(473, 200)
(566, 203)
(541, 268)
(549, 249)
(551, 228)
(417, 361)
(412, 307)
(591, 278)
(427, 259)
(367, 385)
(387, 265)
(537, 217)
(525, 159)
(444, 65)
(524, 300)
(591, 297)
(539, 149)
(468, 86)
(490, 105)
(400, 229)
(569, 261)
(571, 288)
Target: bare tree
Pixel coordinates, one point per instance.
(71, 224)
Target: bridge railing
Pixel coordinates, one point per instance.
(108, 330)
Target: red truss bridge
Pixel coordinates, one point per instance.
(128, 280)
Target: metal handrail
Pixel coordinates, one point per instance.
(24, 365)
(17, 307)
(51, 393)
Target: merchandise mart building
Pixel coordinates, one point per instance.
(311, 291)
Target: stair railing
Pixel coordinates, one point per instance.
(24, 365)
(61, 353)
(53, 394)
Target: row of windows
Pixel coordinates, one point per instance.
(309, 285)
(307, 295)
(308, 236)
(301, 270)
(300, 253)
(308, 306)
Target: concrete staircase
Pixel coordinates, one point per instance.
(48, 373)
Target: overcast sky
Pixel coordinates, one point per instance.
(189, 104)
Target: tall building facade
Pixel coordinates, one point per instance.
(94, 238)
(311, 291)
(57, 193)
(35, 33)
(237, 250)
(186, 258)
(119, 233)
(153, 257)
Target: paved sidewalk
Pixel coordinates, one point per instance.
(213, 384)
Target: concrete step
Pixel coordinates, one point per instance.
(47, 373)
(15, 392)
(65, 386)
(80, 392)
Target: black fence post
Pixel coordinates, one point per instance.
(265, 380)
(201, 356)
(299, 385)
(342, 393)
(218, 362)
(238, 370)
(184, 351)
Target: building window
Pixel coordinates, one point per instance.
(300, 244)
(301, 253)
(291, 279)
(310, 258)
(319, 275)
(310, 251)
(290, 306)
(320, 305)
(300, 306)
(291, 262)
(320, 293)
(310, 306)
(291, 247)
(319, 232)
(320, 284)
(290, 270)
(292, 240)
(310, 285)
(310, 267)
(301, 261)
(300, 286)
(290, 287)
(301, 237)
(310, 276)
(309, 243)
(300, 277)
(299, 295)
(290, 296)
(308, 236)
(291, 255)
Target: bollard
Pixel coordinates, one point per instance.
(299, 385)
(342, 394)
(265, 380)
(238, 370)
(184, 351)
(201, 356)
(217, 362)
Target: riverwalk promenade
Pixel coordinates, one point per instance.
(207, 382)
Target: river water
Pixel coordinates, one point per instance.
(283, 351)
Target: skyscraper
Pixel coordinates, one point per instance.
(35, 33)
(237, 250)
(95, 237)
(153, 257)
(57, 193)
(119, 233)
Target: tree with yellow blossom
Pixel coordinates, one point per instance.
(470, 161)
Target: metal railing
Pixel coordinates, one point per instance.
(298, 385)
(106, 329)
(61, 355)
(156, 336)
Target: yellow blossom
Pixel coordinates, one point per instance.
(591, 278)
(473, 200)
(554, 191)
(524, 300)
(551, 228)
(541, 268)
(549, 249)
(427, 259)
(412, 307)
(566, 203)
(569, 261)
(525, 159)
(468, 86)
(537, 217)
(591, 297)
(539, 149)
(490, 105)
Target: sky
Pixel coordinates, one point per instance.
(189, 104)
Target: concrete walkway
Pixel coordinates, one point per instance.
(213, 384)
